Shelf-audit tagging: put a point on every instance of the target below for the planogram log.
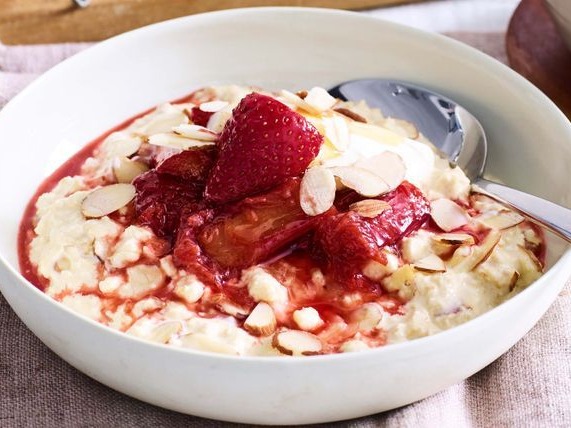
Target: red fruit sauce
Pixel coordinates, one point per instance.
(320, 259)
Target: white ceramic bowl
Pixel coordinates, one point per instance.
(561, 12)
(275, 48)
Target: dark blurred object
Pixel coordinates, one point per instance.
(536, 50)
(55, 21)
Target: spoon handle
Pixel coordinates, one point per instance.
(553, 217)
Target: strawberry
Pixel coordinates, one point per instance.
(187, 254)
(161, 199)
(200, 117)
(192, 164)
(262, 144)
(347, 241)
(257, 228)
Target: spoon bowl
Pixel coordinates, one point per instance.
(458, 135)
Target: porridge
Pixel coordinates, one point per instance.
(244, 222)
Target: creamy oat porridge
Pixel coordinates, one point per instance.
(242, 222)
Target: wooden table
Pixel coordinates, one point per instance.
(55, 21)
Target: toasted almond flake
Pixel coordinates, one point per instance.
(196, 132)
(301, 94)
(163, 122)
(218, 120)
(226, 305)
(503, 220)
(389, 166)
(346, 158)
(213, 106)
(317, 191)
(533, 257)
(454, 238)
(337, 132)
(430, 263)
(514, 279)
(174, 141)
(479, 253)
(163, 332)
(296, 342)
(369, 208)
(447, 214)
(299, 103)
(126, 170)
(459, 255)
(319, 99)
(261, 321)
(362, 181)
(350, 114)
(121, 144)
(105, 200)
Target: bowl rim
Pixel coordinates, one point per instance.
(515, 79)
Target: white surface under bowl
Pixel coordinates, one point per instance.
(275, 48)
(561, 12)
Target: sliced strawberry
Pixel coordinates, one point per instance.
(257, 228)
(192, 164)
(262, 144)
(187, 254)
(160, 200)
(200, 117)
(348, 241)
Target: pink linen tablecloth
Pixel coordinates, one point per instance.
(528, 386)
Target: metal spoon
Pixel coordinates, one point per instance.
(458, 135)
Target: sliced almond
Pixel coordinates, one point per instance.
(533, 257)
(218, 120)
(163, 121)
(105, 200)
(350, 114)
(119, 144)
(480, 253)
(226, 305)
(389, 166)
(503, 220)
(299, 103)
(213, 106)
(126, 170)
(163, 332)
(514, 279)
(319, 99)
(362, 181)
(431, 263)
(175, 141)
(447, 214)
(317, 191)
(346, 158)
(369, 208)
(337, 132)
(296, 342)
(261, 321)
(454, 238)
(195, 132)
(301, 94)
